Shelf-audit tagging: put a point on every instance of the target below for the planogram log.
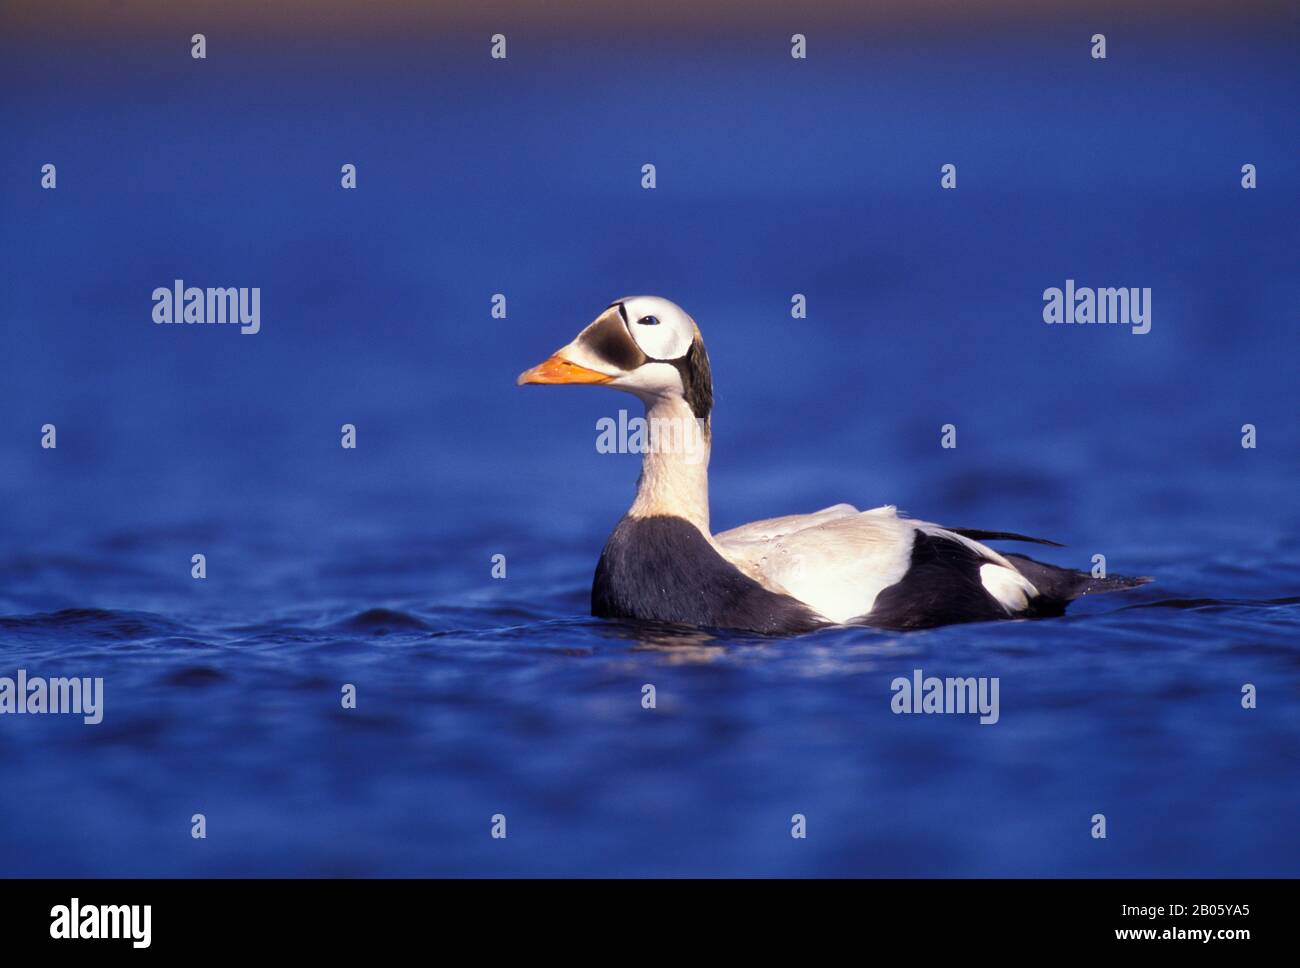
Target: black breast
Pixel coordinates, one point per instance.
(663, 569)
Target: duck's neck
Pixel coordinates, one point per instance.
(675, 470)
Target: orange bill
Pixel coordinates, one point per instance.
(557, 369)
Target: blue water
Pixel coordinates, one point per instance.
(479, 696)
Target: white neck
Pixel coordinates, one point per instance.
(675, 470)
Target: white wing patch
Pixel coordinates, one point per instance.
(836, 561)
(1012, 589)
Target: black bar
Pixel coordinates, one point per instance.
(335, 917)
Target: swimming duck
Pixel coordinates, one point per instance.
(781, 576)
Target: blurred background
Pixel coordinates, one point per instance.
(523, 177)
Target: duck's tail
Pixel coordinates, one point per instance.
(1057, 586)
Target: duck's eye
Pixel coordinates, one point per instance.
(648, 321)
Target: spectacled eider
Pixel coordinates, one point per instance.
(838, 566)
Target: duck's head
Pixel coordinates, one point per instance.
(642, 344)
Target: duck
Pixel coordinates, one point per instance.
(782, 576)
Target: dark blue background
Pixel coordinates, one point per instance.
(372, 566)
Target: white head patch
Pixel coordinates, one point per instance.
(662, 329)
